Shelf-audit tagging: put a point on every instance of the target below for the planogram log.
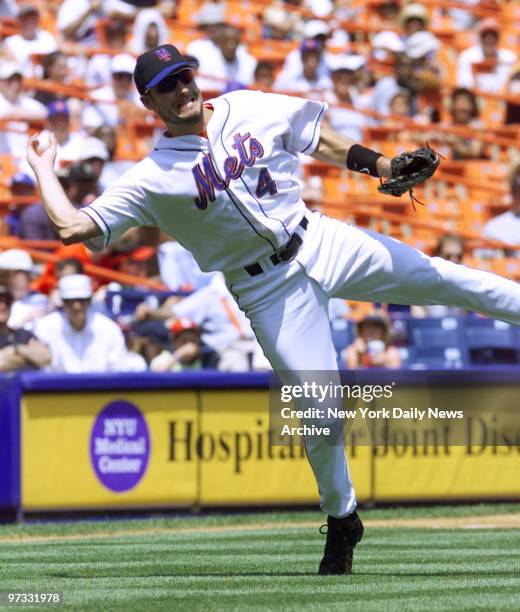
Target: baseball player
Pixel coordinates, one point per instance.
(221, 181)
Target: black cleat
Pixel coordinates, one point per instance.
(342, 536)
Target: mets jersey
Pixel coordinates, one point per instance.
(230, 198)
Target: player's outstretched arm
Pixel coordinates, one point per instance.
(338, 150)
(71, 224)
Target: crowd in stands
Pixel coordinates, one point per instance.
(395, 74)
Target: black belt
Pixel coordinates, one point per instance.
(286, 253)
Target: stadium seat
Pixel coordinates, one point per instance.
(491, 342)
(437, 343)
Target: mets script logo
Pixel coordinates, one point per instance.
(163, 54)
(208, 180)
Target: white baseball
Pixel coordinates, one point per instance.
(43, 142)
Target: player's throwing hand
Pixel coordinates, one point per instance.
(41, 150)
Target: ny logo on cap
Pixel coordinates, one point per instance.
(163, 54)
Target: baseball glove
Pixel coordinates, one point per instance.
(408, 170)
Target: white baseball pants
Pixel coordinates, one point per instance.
(288, 309)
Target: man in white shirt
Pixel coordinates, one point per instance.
(346, 121)
(69, 142)
(108, 99)
(318, 31)
(81, 339)
(500, 61)
(17, 269)
(506, 227)
(309, 79)
(228, 62)
(17, 108)
(30, 40)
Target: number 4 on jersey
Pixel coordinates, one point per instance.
(265, 184)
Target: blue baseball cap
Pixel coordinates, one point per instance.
(155, 65)
(57, 107)
(311, 45)
(20, 178)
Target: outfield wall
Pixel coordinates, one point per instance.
(126, 441)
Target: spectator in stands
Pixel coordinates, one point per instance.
(309, 79)
(513, 89)
(224, 327)
(112, 168)
(69, 142)
(230, 62)
(388, 12)
(116, 102)
(98, 72)
(387, 87)
(150, 31)
(151, 340)
(17, 271)
(386, 45)
(499, 61)
(401, 103)
(279, 24)
(371, 348)
(422, 48)
(19, 348)
(70, 261)
(77, 19)
(81, 183)
(506, 227)
(21, 185)
(348, 122)
(55, 69)
(68, 266)
(184, 352)
(465, 113)
(93, 151)
(31, 39)
(81, 339)
(413, 18)
(264, 76)
(17, 108)
(318, 31)
(141, 262)
(34, 223)
(210, 18)
(451, 248)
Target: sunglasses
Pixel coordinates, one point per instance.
(170, 82)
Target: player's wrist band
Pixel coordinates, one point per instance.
(361, 159)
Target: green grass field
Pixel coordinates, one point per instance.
(264, 561)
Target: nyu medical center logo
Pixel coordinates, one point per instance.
(208, 179)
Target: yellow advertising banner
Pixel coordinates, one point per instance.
(473, 454)
(104, 449)
(179, 448)
(241, 466)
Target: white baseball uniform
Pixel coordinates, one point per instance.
(232, 199)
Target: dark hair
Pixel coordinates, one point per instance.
(70, 261)
(49, 61)
(467, 93)
(263, 65)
